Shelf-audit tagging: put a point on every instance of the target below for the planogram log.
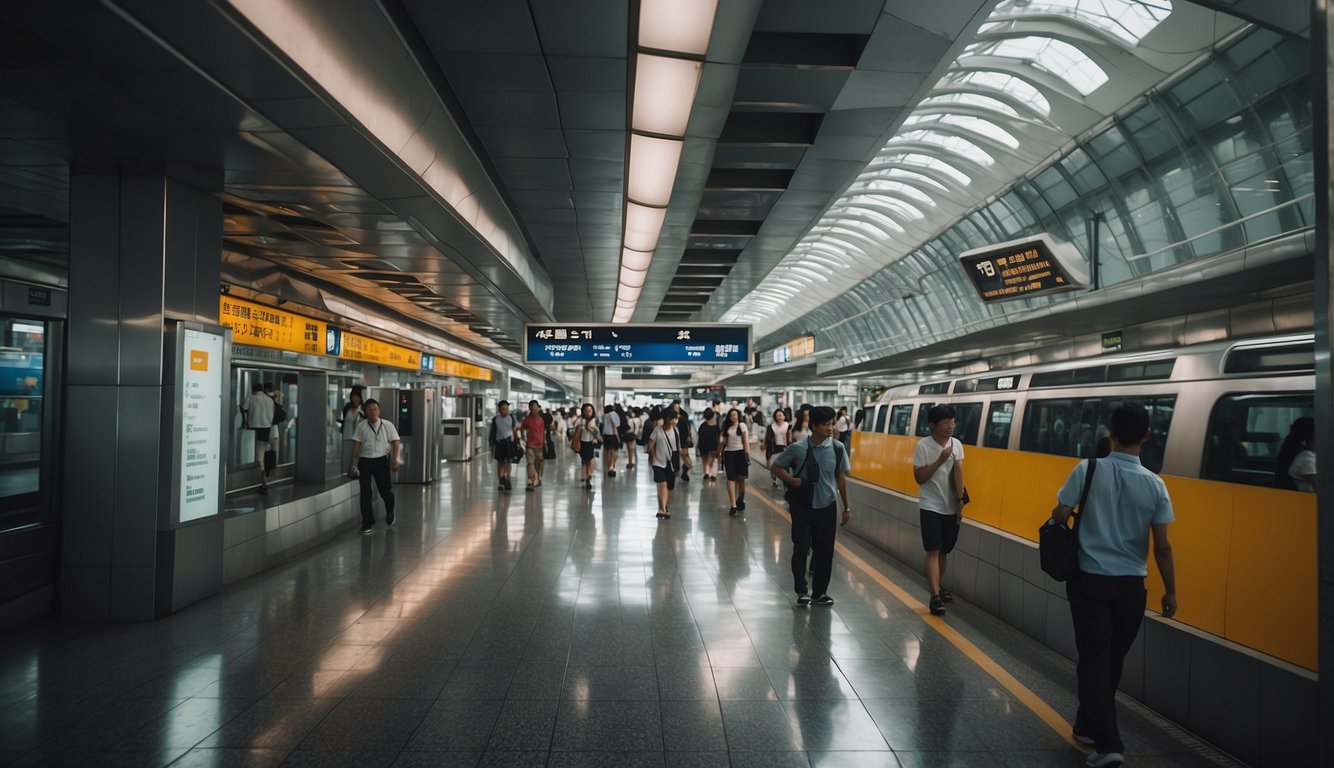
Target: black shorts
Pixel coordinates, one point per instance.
(736, 464)
(261, 434)
(664, 475)
(939, 532)
(610, 441)
(586, 451)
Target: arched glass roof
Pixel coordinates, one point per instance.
(1039, 74)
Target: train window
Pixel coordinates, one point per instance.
(923, 426)
(1073, 426)
(1089, 375)
(965, 385)
(939, 388)
(900, 419)
(1288, 358)
(881, 416)
(967, 421)
(1158, 369)
(999, 419)
(1246, 432)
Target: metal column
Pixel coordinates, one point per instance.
(1322, 72)
(595, 386)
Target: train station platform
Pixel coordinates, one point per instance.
(560, 627)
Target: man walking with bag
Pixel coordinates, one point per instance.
(815, 471)
(1125, 503)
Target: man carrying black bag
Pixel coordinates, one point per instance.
(815, 471)
(1125, 503)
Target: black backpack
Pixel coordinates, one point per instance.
(279, 412)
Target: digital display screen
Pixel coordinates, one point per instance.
(202, 379)
(644, 343)
(1024, 268)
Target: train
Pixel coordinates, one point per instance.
(1245, 550)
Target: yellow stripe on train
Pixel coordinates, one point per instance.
(1245, 556)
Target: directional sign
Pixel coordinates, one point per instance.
(618, 344)
(1020, 269)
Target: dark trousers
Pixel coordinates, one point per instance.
(813, 534)
(1107, 612)
(377, 469)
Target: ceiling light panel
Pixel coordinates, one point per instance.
(677, 25)
(653, 164)
(664, 93)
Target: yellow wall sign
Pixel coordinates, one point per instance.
(263, 326)
(368, 350)
(446, 367)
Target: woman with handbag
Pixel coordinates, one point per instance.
(734, 452)
(587, 438)
(665, 452)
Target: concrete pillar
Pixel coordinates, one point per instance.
(595, 386)
(145, 251)
(1322, 71)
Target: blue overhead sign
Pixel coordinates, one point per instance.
(616, 344)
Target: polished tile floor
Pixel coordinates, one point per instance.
(556, 628)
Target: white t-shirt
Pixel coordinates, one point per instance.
(611, 423)
(780, 433)
(636, 425)
(1302, 465)
(935, 494)
(587, 431)
(842, 425)
(664, 446)
(735, 437)
(375, 440)
(259, 410)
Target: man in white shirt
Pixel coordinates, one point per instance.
(938, 469)
(258, 418)
(375, 455)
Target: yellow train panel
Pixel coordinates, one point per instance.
(1245, 556)
(1271, 592)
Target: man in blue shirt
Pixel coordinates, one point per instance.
(1125, 503)
(822, 462)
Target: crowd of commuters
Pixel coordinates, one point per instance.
(808, 454)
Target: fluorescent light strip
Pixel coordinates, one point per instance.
(665, 85)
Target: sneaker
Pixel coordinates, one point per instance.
(937, 606)
(389, 518)
(823, 600)
(528, 488)
(741, 505)
(1083, 738)
(1105, 760)
(508, 485)
(588, 483)
(803, 599)
(365, 528)
(611, 473)
(946, 596)
(685, 477)
(731, 512)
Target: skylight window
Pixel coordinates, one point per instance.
(928, 162)
(1127, 20)
(968, 123)
(970, 100)
(895, 188)
(1053, 56)
(950, 143)
(876, 207)
(1016, 88)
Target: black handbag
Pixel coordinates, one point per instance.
(549, 450)
(1058, 544)
(517, 452)
(803, 496)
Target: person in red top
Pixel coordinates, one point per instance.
(534, 430)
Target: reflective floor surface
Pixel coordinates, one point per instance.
(556, 628)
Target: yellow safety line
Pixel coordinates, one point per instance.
(1020, 691)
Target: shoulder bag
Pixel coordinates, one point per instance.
(803, 496)
(1058, 545)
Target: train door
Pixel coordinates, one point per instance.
(247, 452)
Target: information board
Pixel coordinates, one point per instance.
(263, 326)
(642, 343)
(1020, 269)
(202, 380)
(368, 350)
